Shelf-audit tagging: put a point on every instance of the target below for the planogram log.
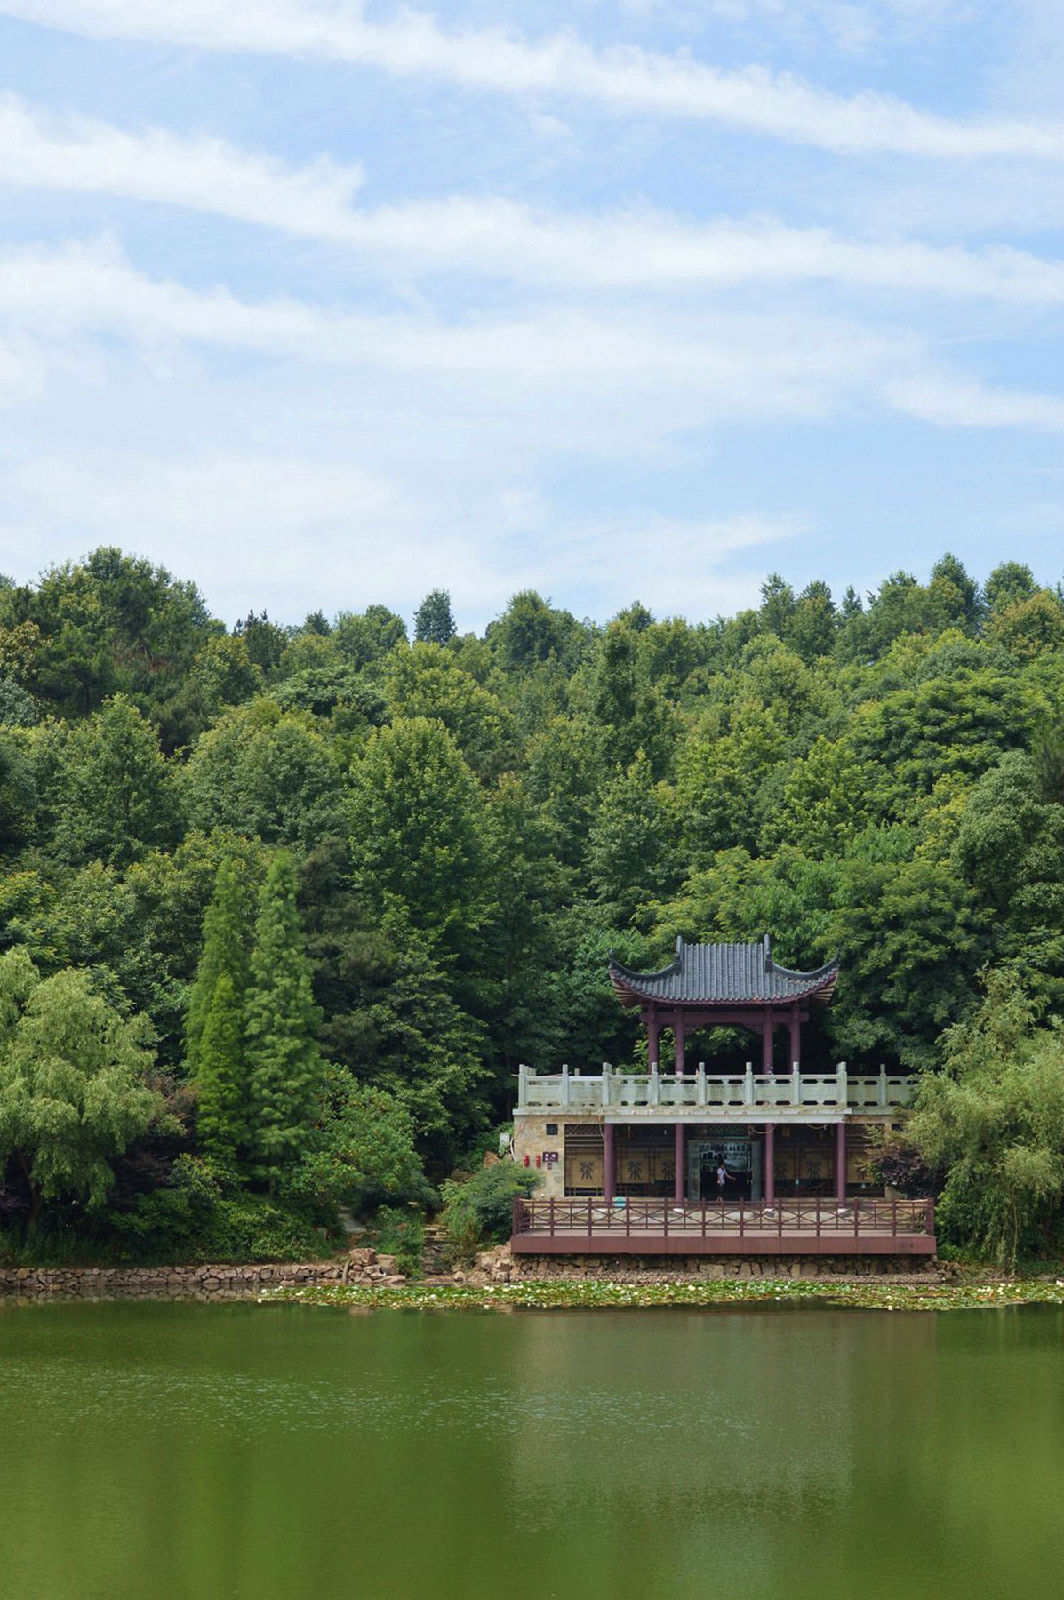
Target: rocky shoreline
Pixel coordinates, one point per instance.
(364, 1268)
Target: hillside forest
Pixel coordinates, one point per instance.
(282, 908)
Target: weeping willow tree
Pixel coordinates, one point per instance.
(993, 1120)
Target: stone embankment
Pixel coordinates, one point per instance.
(497, 1266)
(363, 1268)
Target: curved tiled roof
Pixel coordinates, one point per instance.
(723, 975)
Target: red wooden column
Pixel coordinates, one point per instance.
(840, 1161)
(679, 1034)
(767, 1024)
(653, 1036)
(678, 1186)
(768, 1178)
(609, 1169)
(796, 1038)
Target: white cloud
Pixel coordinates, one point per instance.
(684, 365)
(647, 372)
(295, 533)
(621, 79)
(635, 248)
(951, 402)
(39, 150)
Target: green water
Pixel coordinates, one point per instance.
(175, 1451)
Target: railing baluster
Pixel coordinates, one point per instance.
(703, 1219)
(551, 1216)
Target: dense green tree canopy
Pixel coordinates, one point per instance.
(455, 832)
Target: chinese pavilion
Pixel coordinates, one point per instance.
(773, 1160)
(725, 985)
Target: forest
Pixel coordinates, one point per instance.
(282, 908)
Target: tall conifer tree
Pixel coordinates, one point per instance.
(221, 1077)
(226, 940)
(284, 1063)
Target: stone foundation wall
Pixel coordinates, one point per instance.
(674, 1269)
(363, 1267)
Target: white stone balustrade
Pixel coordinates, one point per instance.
(714, 1097)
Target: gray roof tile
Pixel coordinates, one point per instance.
(723, 974)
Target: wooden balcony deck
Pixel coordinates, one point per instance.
(667, 1227)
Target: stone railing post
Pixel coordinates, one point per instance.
(749, 1091)
(842, 1091)
(796, 1084)
(881, 1087)
(565, 1083)
(607, 1084)
(700, 1093)
(655, 1085)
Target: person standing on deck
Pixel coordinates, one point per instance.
(722, 1177)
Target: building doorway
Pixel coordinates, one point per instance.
(741, 1155)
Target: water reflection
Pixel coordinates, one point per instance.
(282, 1453)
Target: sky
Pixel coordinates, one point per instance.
(323, 304)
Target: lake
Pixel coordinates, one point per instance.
(176, 1451)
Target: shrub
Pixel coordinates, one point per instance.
(401, 1234)
(480, 1210)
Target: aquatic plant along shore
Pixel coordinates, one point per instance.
(914, 1295)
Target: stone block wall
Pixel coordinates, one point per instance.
(217, 1282)
(531, 1139)
(674, 1269)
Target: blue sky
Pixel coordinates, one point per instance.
(325, 304)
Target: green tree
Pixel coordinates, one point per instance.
(390, 1013)
(434, 623)
(364, 637)
(222, 1077)
(426, 681)
(227, 927)
(1009, 582)
(361, 1155)
(113, 624)
(419, 832)
(115, 794)
(267, 773)
(284, 1062)
(630, 846)
(993, 1121)
(777, 605)
(531, 632)
(633, 715)
(73, 1094)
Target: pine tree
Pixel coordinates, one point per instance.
(284, 1064)
(221, 1076)
(226, 938)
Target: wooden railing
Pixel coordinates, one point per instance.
(629, 1218)
(715, 1093)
